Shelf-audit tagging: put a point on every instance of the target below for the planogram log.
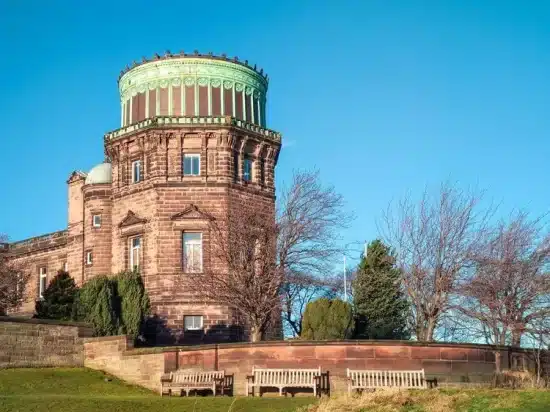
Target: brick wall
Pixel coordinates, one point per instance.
(34, 342)
(449, 363)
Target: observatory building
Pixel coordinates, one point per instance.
(192, 146)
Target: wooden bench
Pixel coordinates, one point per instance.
(283, 378)
(182, 380)
(383, 379)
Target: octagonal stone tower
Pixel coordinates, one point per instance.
(192, 146)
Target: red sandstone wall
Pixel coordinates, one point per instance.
(449, 363)
(446, 362)
(48, 251)
(97, 200)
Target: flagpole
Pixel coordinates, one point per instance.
(345, 282)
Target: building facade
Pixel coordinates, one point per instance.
(192, 146)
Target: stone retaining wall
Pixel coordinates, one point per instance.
(39, 343)
(449, 363)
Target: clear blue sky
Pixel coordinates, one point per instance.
(384, 97)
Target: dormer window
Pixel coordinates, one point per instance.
(96, 220)
(191, 164)
(136, 171)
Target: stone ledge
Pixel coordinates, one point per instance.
(36, 321)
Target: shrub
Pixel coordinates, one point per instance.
(114, 305)
(134, 302)
(326, 319)
(59, 298)
(97, 304)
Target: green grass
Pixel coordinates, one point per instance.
(82, 390)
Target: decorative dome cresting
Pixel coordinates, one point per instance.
(100, 174)
(189, 85)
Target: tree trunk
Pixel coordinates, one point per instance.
(256, 333)
(429, 332)
(497, 361)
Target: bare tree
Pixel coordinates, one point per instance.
(244, 274)
(310, 217)
(433, 239)
(509, 290)
(13, 280)
(264, 264)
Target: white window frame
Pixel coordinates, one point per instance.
(89, 258)
(191, 156)
(192, 242)
(65, 266)
(194, 327)
(131, 248)
(136, 177)
(43, 275)
(251, 173)
(96, 220)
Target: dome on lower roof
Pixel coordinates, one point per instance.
(99, 174)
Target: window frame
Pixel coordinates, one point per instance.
(136, 178)
(131, 249)
(94, 223)
(89, 258)
(183, 250)
(194, 328)
(42, 275)
(191, 156)
(250, 161)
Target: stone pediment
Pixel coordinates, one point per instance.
(76, 175)
(131, 219)
(192, 212)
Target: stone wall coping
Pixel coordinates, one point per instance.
(36, 321)
(258, 345)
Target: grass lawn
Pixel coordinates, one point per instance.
(82, 390)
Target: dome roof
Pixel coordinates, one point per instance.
(99, 174)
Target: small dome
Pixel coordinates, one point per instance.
(99, 174)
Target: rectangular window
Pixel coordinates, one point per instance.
(191, 164)
(135, 248)
(96, 220)
(136, 171)
(247, 169)
(89, 260)
(43, 273)
(192, 322)
(192, 252)
(65, 267)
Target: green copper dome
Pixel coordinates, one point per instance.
(186, 85)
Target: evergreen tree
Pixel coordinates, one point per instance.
(327, 319)
(100, 306)
(134, 302)
(380, 306)
(59, 298)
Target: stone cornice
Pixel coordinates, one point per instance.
(182, 122)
